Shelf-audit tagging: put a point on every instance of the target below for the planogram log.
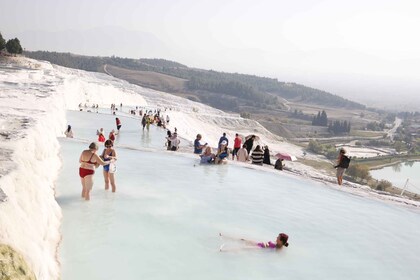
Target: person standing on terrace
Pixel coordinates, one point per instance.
(236, 145)
(224, 138)
(243, 154)
(342, 164)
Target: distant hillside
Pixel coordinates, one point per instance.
(222, 90)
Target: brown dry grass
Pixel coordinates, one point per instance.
(148, 79)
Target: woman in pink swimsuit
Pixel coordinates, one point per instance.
(281, 241)
(89, 160)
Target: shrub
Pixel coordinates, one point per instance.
(383, 185)
(359, 171)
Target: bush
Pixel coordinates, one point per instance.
(245, 115)
(359, 171)
(383, 185)
(315, 147)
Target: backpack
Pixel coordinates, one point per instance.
(345, 162)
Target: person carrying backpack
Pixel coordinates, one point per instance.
(343, 162)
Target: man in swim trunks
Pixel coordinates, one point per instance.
(89, 160)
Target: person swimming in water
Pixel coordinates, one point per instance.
(281, 241)
(89, 160)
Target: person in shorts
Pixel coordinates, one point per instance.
(236, 145)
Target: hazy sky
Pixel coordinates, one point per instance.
(359, 49)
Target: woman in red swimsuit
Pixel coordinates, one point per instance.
(89, 160)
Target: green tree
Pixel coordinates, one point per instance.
(2, 42)
(399, 146)
(13, 46)
(324, 118)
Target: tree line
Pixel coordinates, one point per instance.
(12, 45)
(321, 119)
(339, 127)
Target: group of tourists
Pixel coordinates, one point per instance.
(90, 160)
(156, 118)
(242, 152)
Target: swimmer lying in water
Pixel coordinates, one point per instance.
(281, 241)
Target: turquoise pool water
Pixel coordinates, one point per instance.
(164, 222)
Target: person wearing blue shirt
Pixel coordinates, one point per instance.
(198, 148)
(224, 138)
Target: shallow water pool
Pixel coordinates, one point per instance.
(164, 222)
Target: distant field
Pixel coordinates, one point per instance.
(366, 133)
(147, 79)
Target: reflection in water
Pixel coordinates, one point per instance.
(409, 163)
(145, 137)
(397, 167)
